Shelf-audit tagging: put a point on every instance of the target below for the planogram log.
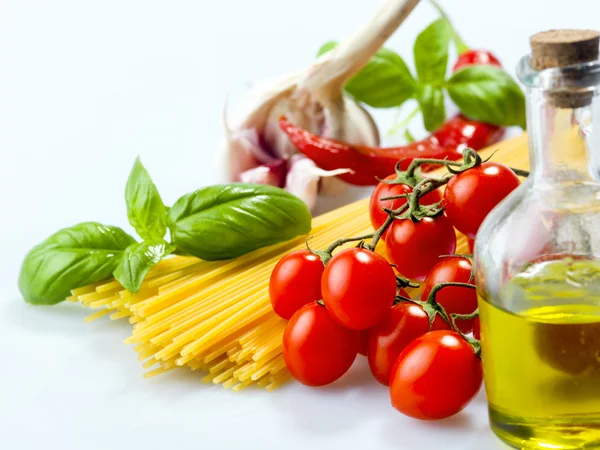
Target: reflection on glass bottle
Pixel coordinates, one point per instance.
(538, 275)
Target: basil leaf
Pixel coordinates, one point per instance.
(327, 47)
(431, 102)
(145, 209)
(385, 81)
(71, 258)
(488, 94)
(225, 221)
(431, 52)
(137, 260)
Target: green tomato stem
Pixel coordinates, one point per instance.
(343, 241)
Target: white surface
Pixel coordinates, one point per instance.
(85, 86)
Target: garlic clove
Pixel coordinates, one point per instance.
(304, 176)
(332, 186)
(348, 121)
(273, 174)
(244, 152)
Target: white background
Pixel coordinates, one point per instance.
(85, 86)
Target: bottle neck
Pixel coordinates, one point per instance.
(561, 140)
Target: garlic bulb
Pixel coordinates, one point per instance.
(312, 99)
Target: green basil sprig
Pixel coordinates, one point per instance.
(218, 222)
(71, 258)
(148, 215)
(226, 221)
(483, 93)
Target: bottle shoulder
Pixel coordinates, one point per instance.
(534, 220)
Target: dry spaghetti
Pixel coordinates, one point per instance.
(216, 316)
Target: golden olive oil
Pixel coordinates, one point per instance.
(542, 361)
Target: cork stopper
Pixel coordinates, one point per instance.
(560, 48)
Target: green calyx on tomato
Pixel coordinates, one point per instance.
(390, 194)
(451, 312)
(454, 299)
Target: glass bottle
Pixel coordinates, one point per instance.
(537, 260)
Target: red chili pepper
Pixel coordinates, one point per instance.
(467, 56)
(370, 163)
(472, 57)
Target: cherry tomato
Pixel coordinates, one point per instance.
(454, 299)
(471, 195)
(471, 244)
(316, 349)
(415, 247)
(382, 190)
(295, 281)
(435, 376)
(476, 329)
(364, 334)
(362, 342)
(402, 324)
(476, 57)
(358, 288)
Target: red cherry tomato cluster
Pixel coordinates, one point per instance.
(358, 288)
(359, 314)
(355, 302)
(415, 247)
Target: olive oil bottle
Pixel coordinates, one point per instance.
(537, 260)
(543, 369)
